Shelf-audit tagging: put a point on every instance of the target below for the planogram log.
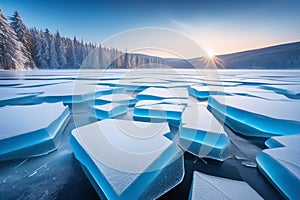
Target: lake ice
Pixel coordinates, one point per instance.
(142, 134)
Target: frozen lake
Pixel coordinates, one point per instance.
(208, 124)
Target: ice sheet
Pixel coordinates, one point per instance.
(255, 116)
(202, 135)
(108, 110)
(211, 187)
(126, 159)
(36, 125)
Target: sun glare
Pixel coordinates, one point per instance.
(210, 54)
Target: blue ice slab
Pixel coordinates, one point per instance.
(202, 92)
(158, 111)
(281, 166)
(290, 90)
(108, 110)
(75, 92)
(37, 132)
(283, 141)
(124, 99)
(257, 117)
(155, 93)
(128, 159)
(15, 96)
(202, 135)
(211, 187)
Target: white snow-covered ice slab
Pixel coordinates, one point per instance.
(202, 92)
(290, 90)
(158, 111)
(202, 135)
(258, 117)
(154, 93)
(31, 130)
(124, 99)
(14, 96)
(128, 159)
(74, 92)
(211, 187)
(108, 110)
(291, 141)
(281, 166)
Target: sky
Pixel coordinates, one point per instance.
(220, 27)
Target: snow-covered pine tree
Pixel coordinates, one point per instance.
(71, 54)
(24, 37)
(62, 61)
(11, 56)
(46, 41)
(53, 55)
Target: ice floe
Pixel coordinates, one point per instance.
(108, 110)
(36, 129)
(202, 135)
(128, 159)
(253, 116)
(211, 187)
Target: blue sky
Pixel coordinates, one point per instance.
(219, 26)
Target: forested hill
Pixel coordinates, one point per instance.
(24, 48)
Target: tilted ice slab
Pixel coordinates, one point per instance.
(154, 93)
(258, 117)
(202, 135)
(74, 92)
(292, 91)
(15, 96)
(291, 141)
(124, 99)
(202, 92)
(128, 159)
(211, 187)
(108, 110)
(158, 111)
(31, 130)
(281, 166)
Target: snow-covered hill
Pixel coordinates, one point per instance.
(285, 56)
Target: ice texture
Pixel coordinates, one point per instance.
(108, 110)
(211, 187)
(253, 116)
(128, 159)
(160, 111)
(36, 131)
(202, 135)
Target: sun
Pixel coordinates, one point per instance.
(210, 54)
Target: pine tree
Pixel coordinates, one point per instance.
(11, 56)
(62, 61)
(24, 37)
(53, 55)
